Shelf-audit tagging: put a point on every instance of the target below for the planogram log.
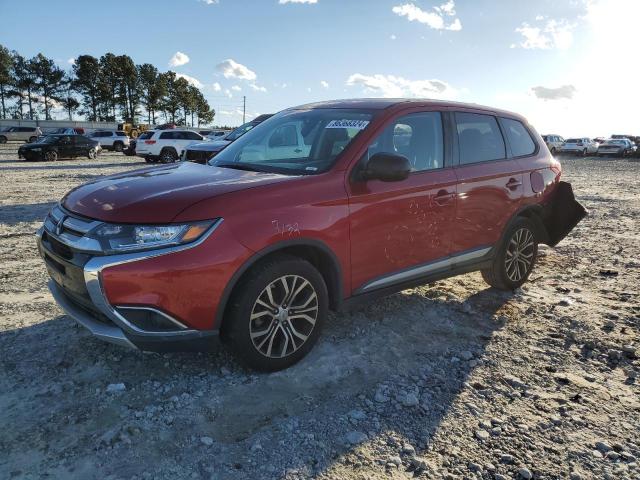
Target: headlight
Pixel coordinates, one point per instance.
(125, 238)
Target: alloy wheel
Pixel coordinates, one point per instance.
(519, 256)
(283, 316)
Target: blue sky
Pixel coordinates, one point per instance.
(539, 58)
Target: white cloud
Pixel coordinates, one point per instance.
(565, 92)
(216, 87)
(236, 88)
(192, 80)
(178, 59)
(393, 86)
(228, 93)
(283, 2)
(210, 2)
(436, 18)
(71, 61)
(232, 69)
(550, 34)
(324, 84)
(257, 88)
(392, 36)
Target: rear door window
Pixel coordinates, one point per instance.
(479, 138)
(519, 138)
(168, 135)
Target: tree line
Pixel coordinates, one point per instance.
(109, 88)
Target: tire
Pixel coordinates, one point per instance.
(92, 154)
(32, 139)
(263, 287)
(118, 147)
(168, 155)
(51, 156)
(553, 150)
(3, 139)
(585, 152)
(519, 239)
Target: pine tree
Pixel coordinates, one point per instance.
(86, 70)
(6, 79)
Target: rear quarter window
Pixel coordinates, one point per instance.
(519, 138)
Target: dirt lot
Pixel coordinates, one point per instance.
(451, 380)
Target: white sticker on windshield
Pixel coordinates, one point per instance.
(357, 124)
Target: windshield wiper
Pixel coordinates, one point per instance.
(240, 166)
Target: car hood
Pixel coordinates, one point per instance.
(159, 194)
(210, 146)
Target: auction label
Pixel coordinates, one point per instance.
(357, 124)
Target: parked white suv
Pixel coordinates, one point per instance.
(580, 146)
(111, 139)
(165, 146)
(554, 142)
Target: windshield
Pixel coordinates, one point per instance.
(296, 141)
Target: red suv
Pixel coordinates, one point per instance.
(322, 206)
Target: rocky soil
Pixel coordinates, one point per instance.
(451, 380)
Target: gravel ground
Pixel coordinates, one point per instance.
(450, 380)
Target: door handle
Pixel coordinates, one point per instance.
(443, 197)
(512, 184)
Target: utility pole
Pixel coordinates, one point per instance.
(244, 108)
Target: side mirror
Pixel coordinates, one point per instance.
(386, 167)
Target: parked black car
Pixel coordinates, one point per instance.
(53, 147)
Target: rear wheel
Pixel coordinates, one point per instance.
(168, 155)
(276, 313)
(51, 155)
(32, 139)
(118, 146)
(553, 150)
(515, 257)
(3, 139)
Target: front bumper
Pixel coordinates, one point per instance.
(77, 286)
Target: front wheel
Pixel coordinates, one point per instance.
(3, 139)
(553, 150)
(92, 154)
(276, 313)
(516, 255)
(51, 156)
(585, 152)
(118, 146)
(32, 139)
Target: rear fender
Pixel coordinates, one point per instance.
(562, 214)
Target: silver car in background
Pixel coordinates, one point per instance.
(20, 134)
(618, 147)
(580, 146)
